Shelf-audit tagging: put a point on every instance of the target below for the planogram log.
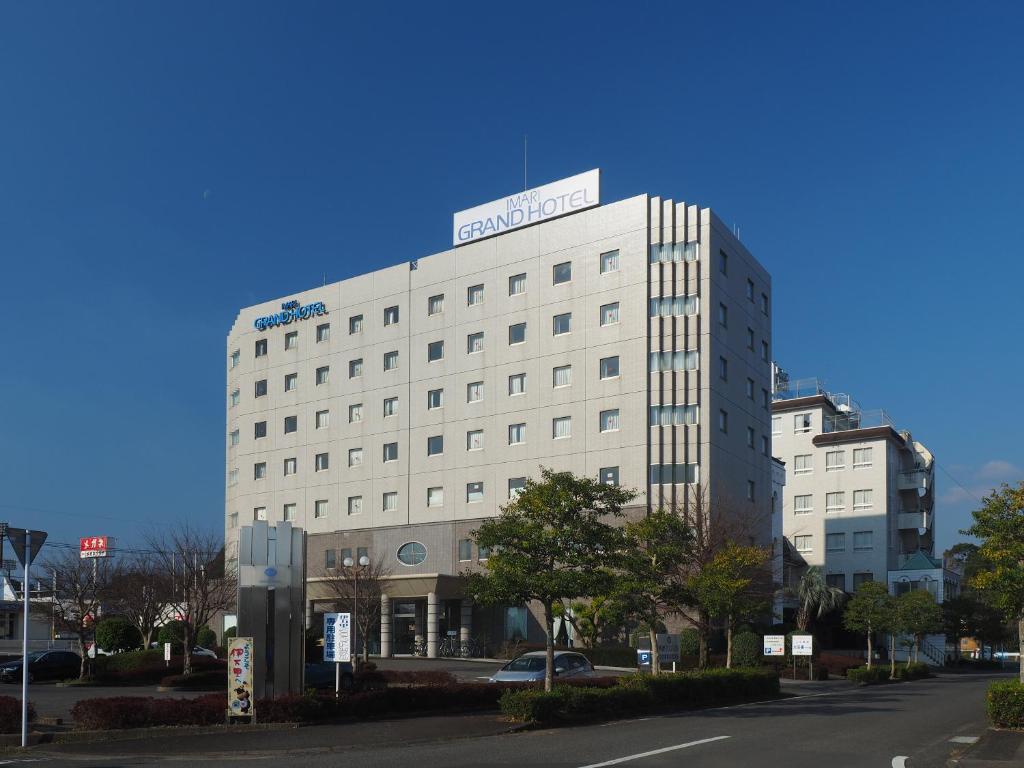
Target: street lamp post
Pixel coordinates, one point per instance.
(348, 562)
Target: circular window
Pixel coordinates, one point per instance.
(412, 553)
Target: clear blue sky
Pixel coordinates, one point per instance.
(163, 164)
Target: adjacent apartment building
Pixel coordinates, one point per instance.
(387, 414)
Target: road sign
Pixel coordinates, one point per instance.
(643, 658)
(167, 652)
(803, 645)
(95, 546)
(668, 647)
(774, 645)
(17, 538)
(337, 637)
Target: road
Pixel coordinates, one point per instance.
(828, 726)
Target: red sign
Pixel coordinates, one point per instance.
(95, 546)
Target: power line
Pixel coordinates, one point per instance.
(963, 487)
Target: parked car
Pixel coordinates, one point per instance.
(43, 665)
(530, 667)
(200, 651)
(320, 675)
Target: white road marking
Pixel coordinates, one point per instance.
(964, 739)
(899, 761)
(662, 751)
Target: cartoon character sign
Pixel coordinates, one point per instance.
(240, 701)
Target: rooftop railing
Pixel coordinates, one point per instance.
(794, 388)
(841, 422)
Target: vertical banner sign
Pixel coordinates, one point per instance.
(803, 645)
(240, 702)
(337, 637)
(774, 645)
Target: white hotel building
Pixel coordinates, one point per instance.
(628, 341)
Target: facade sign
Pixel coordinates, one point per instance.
(95, 546)
(577, 193)
(337, 637)
(668, 647)
(774, 645)
(803, 645)
(290, 311)
(240, 700)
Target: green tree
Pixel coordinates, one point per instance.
(206, 637)
(869, 611)
(732, 587)
(172, 632)
(918, 615)
(815, 598)
(999, 524)
(591, 618)
(117, 634)
(554, 542)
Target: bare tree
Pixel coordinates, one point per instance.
(80, 588)
(357, 589)
(142, 593)
(193, 562)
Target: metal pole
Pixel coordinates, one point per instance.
(24, 646)
(355, 617)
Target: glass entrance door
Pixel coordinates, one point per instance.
(404, 634)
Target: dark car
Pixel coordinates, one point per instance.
(43, 665)
(320, 675)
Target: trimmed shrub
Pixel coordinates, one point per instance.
(117, 634)
(172, 632)
(689, 642)
(115, 712)
(916, 670)
(865, 676)
(229, 633)
(206, 637)
(209, 680)
(746, 650)
(10, 714)
(1005, 704)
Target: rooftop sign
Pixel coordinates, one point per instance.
(290, 310)
(558, 198)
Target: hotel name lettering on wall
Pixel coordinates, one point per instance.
(291, 311)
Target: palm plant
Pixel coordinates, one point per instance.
(815, 598)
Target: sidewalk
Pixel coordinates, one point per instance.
(995, 749)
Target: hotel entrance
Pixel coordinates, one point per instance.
(405, 634)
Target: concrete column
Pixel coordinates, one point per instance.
(465, 622)
(309, 614)
(420, 624)
(386, 620)
(432, 625)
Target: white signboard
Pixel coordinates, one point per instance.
(337, 637)
(167, 651)
(558, 198)
(668, 647)
(803, 645)
(774, 645)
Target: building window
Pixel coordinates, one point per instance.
(344, 554)
(435, 445)
(261, 347)
(390, 501)
(291, 424)
(320, 508)
(723, 369)
(802, 423)
(355, 413)
(776, 425)
(355, 324)
(723, 315)
(837, 580)
(475, 440)
(609, 420)
(435, 351)
(355, 457)
(750, 289)
(291, 382)
(862, 578)
(862, 500)
(435, 497)
(803, 464)
(674, 361)
(750, 389)
(234, 438)
(835, 502)
(322, 462)
(610, 313)
(391, 360)
(517, 384)
(835, 461)
(465, 550)
(766, 400)
(862, 540)
(764, 351)
(678, 252)
(261, 388)
(355, 505)
(474, 295)
(674, 474)
(678, 306)
(608, 475)
(723, 421)
(435, 399)
(289, 466)
(323, 332)
(362, 552)
(259, 470)
(323, 419)
(390, 452)
(435, 304)
(836, 542)
(236, 358)
(561, 273)
(516, 486)
(723, 262)
(233, 477)
(561, 324)
(750, 339)
(355, 368)
(474, 392)
(764, 303)
(390, 315)
(803, 543)
(474, 493)
(482, 554)
(609, 262)
(412, 553)
(561, 426)
(861, 458)
(291, 340)
(233, 520)
(259, 429)
(516, 434)
(236, 397)
(766, 445)
(288, 513)
(667, 415)
(561, 376)
(750, 490)
(750, 437)
(803, 504)
(517, 333)
(475, 343)
(390, 406)
(259, 513)
(609, 367)
(517, 284)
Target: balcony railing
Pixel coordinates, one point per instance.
(912, 480)
(912, 520)
(794, 388)
(841, 422)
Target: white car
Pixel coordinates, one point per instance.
(530, 667)
(200, 651)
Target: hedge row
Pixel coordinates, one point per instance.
(643, 693)
(206, 680)
(1005, 704)
(10, 714)
(146, 667)
(115, 712)
(880, 673)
